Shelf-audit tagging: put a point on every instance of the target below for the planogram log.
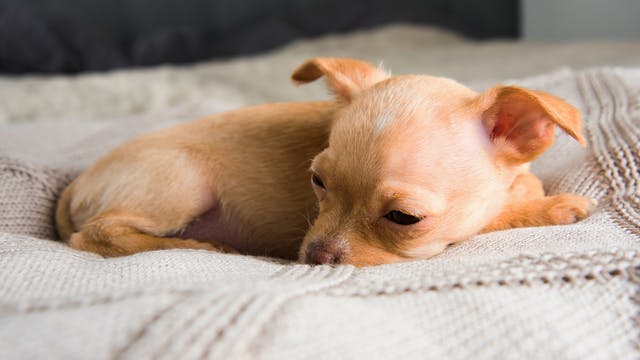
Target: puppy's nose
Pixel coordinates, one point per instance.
(319, 257)
(323, 254)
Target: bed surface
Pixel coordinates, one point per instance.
(563, 291)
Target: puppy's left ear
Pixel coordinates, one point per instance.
(521, 122)
(345, 77)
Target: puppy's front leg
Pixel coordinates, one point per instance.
(549, 210)
(118, 233)
(530, 207)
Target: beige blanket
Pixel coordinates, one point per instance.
(561, 292)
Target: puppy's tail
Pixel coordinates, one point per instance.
(64, 226)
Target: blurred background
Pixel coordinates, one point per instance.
(69, 36)
(105, 59)
(83, 35)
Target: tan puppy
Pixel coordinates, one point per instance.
(401, 167)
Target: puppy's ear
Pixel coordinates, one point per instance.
(345, 77)
(521, 122)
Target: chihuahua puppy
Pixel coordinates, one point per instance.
(400, 167)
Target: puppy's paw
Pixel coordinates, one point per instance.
(207, 245)
(223, 248)
(568, 208)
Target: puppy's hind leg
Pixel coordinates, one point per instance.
(120, 233)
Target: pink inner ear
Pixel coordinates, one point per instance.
(526, 129)
(529, 127)
(503, 125)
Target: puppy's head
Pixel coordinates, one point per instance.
(415, 163)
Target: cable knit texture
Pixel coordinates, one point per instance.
(554, 292)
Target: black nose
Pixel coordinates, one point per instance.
(323, 254)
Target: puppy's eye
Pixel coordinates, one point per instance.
(401, 218)
(317, 181)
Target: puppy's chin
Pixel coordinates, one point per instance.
(364, 261)
(427, 250)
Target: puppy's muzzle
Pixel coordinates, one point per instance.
(322, 252)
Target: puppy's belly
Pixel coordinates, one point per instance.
(210, 226)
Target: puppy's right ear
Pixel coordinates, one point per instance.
(345, 77)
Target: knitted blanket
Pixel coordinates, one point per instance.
(559, 291)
